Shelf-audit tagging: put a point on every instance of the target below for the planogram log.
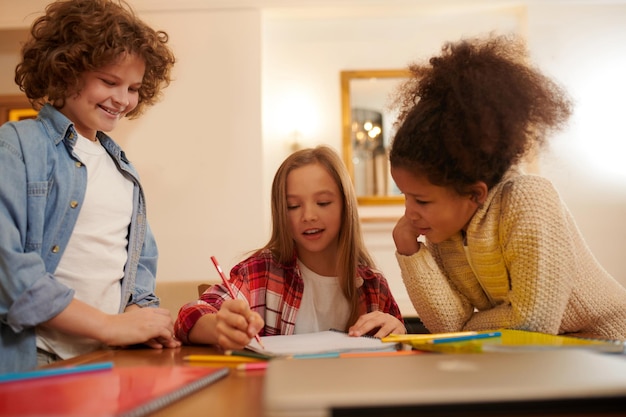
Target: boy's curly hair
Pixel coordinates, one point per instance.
(75, 36)
(474, 111)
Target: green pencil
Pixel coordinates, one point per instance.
(248, 354)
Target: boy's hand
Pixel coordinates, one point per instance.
(151, 326)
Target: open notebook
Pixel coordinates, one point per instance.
(319, 343)
(443, 384)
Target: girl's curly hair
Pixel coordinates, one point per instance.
(75, 36)
(474, 111)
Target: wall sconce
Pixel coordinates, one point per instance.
(296, 141)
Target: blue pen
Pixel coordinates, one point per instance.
(466, 338)
(43, 373)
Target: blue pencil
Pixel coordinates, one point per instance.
(44, 373)
(466, 338)
(316, 355)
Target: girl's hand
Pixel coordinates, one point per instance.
(405, 237)
(236, 324)
(385, 323)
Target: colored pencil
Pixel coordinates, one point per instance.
(49, 372)
(220, 358)
(465, 338)
(257, 366)
(248, 354)
(375, 354)
(316, 355)
(424, 337)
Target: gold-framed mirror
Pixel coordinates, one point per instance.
(367, 126)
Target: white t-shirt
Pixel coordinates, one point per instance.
(93, 262)
(323, 304)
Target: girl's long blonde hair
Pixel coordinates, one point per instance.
(352, 252)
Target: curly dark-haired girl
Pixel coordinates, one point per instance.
(500, 249)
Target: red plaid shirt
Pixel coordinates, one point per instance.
(274, 290)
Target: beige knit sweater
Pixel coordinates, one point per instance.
(533, 270)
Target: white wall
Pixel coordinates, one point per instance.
(198, 150)
(247, 77)
(584, 47)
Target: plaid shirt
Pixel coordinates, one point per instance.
(274, 290)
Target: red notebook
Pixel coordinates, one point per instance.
(132, 391)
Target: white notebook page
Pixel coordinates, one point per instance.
(317, 343)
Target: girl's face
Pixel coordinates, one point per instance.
(106, 96)
(314, 207)
(435, 212)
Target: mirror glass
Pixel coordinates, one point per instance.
(368, 127)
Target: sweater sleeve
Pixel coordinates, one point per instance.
(208, 303)
(249, 281)
(438, 304)
(376, 294)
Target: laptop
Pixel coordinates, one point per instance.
(447, 384)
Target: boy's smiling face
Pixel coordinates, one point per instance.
(106, 96)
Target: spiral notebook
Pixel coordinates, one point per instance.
(133, 391)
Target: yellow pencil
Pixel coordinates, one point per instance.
(220, 358)
(424, 337)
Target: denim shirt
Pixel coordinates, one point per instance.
(42, 187)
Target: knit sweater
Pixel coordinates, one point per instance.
(525, 266)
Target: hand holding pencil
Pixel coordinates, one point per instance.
(231, 309)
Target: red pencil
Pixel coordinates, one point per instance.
(230, 290)
(253, 366)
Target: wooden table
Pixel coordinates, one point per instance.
(239, 394)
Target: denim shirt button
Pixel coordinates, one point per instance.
(73, 204)
(55, 249)
(78, 164)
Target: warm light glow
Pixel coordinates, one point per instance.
(375, 131)
(294, 115)
(600, 142)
